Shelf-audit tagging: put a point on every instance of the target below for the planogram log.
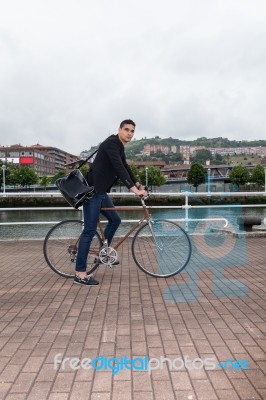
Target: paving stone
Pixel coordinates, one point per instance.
(127, 315)
(39, 390)
(227, 395)
(23, 382)
(245, 390)
(203, 388)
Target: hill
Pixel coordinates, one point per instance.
(136, 146)
(202, 141)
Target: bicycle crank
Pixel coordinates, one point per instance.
(72, 249)
(107, 256)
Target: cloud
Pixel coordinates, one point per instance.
(70, 72)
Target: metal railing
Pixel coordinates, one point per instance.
(186, 207)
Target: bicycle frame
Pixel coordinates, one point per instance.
(146, 217)
(149, 239)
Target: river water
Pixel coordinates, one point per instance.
(38, 231)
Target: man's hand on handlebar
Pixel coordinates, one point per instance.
(141, 191)
(144, 193)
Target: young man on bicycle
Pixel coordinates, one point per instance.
(109, 165)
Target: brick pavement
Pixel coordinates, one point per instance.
(203, 313)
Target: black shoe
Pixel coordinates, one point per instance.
(87, 281)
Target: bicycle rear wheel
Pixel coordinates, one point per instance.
(60, 248)
(161, 248)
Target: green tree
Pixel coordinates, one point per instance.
(135, 171)
(196, 175)
(202, 156)
(45, 181)
(258, 175)
(59, 174)
(84, 169)
(175, 157)
(10, 167)
(28, 176)
(239, 175)
(2, 173)
(14, 176)
(154, 176)
(218, 159)
(23, 176)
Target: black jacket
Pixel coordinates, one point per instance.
(109, 165)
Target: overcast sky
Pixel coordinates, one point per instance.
(71, 70)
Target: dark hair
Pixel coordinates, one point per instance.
(127, 122)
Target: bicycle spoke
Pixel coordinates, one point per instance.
(60, 248)
(162, 249)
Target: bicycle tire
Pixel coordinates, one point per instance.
(163, 251)
(60, 248)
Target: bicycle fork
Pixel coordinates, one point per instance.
(150, 222)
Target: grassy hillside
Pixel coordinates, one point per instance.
(134, 148)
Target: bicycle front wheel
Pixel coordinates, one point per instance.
(61, 244)
(161, 248)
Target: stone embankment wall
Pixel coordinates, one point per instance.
(120, 200)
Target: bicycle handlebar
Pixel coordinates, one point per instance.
(142, 198)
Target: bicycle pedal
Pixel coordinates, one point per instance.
(112, 265)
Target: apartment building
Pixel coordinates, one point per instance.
(260, 151)
(189, 150)
(154, 148)
(46, 160)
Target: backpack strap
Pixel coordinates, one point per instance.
(84, 161)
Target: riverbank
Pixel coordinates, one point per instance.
(53, 200)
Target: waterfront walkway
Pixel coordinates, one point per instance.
(215, 309)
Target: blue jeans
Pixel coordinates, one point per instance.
(91, 211)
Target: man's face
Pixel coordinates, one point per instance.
(126, 133)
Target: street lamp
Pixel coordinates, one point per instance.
(4, 178)
(209, 179)
(265, 180)
(146, 174)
